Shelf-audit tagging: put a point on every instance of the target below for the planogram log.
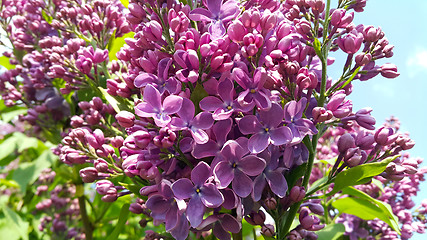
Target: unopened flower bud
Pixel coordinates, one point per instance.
(126, 119)
(340, 18)
(385, 136)
(268, 230)
(345, 142)
(320, 114)
(136, 208)
(142, 138)
(270, 203)
(389, 70)
(297, 193)
(256, 218)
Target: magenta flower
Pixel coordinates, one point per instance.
(189, 61)
(164, 208)
(161, 82)
(255, 93)
(213, 146)
(225, 108)
(299, 126)
(266, 130)
(237, 168)
(272, 175)
(339, 106)
(201, 193)
(217, 14)
(152, 106)
(195, 124)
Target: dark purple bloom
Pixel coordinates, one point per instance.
(164, 208)
(266, 130)
(196, 124)
(222, 225)
(161, 81)
(213, 147)
(255, 93)
(217, 14)
(201, 193)
(272, 174)
(153, 107)
(237, 168)
(299, 126)
(225, 108)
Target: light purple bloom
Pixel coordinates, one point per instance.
(195, 124)
(189, 61)
(237, 168)
(255, 93)
(272, 174)
(299, 126)
(217, 14)
(161, 81)
(222, 225)
(225, 108)
(266, 130)
(200, 192)
(152, 106)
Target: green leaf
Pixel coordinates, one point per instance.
(116, 44)
(85, 94)
(118, 104)
(4, 61)
(125, 3)
(25, 142)
(318, 183)
(46, 17)
(9, 116)
(389, 218)
(16, 223)
(318, 48)
(359, 174)
(28, 172)
(124, 212)
(331, 232)
(8, 146)
(197, 95)
(8, 183)
(133, 188)
(363, 209)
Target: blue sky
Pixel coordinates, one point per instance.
(404, 23)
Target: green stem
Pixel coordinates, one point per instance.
(87, 225)
(239, 235)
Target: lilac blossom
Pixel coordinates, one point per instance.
(200, 191)
(254, 93)
(189, 61)
(272, 174)
(152, 106)
(195, 124)
(222, 225)
(217, 14)
(299, 126)
(266, 129)
(225, 108)
(236, 167)
(162, 82)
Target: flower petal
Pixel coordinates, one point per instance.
(195, 211)
(208, 149)
(259, 185)
(187, 110)
(143, 79)
(201, 14)
(200, 174)
(211, 197)
(145, 109)
(224, 173)
(178, 124)
(211, 103)
(221, 130)
(233, 151)
(183, 188)
(258, 142)
(225, 90)
(163, 68)
(199, 135)
(251, 165)
(272, 117)
(214, 6)
(277, 183)
(172, 104)
(242, 184)
(249, 124)
(280, 136)
(203, 120)
(230, 224)
(152, 96)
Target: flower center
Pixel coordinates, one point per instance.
(234, 165)
(253, 91)
(266, 129)
(229, 107)
(197, 190)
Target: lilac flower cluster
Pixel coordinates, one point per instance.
(211, 111)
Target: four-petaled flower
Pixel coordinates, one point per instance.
(200, 191)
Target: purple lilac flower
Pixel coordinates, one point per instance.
(189, 61)
(222, 225)
(213, 147)
(161, 81)
(225, 108)
(299, 126)
(254, 93)
(152, 106)
(266, 130)
(217, 14)
(201, 192)
(272, 174)
(237, 168)
(164, 208)
(196, 124)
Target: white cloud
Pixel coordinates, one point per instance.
(417, 62)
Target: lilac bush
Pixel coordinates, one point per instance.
(201, 118)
